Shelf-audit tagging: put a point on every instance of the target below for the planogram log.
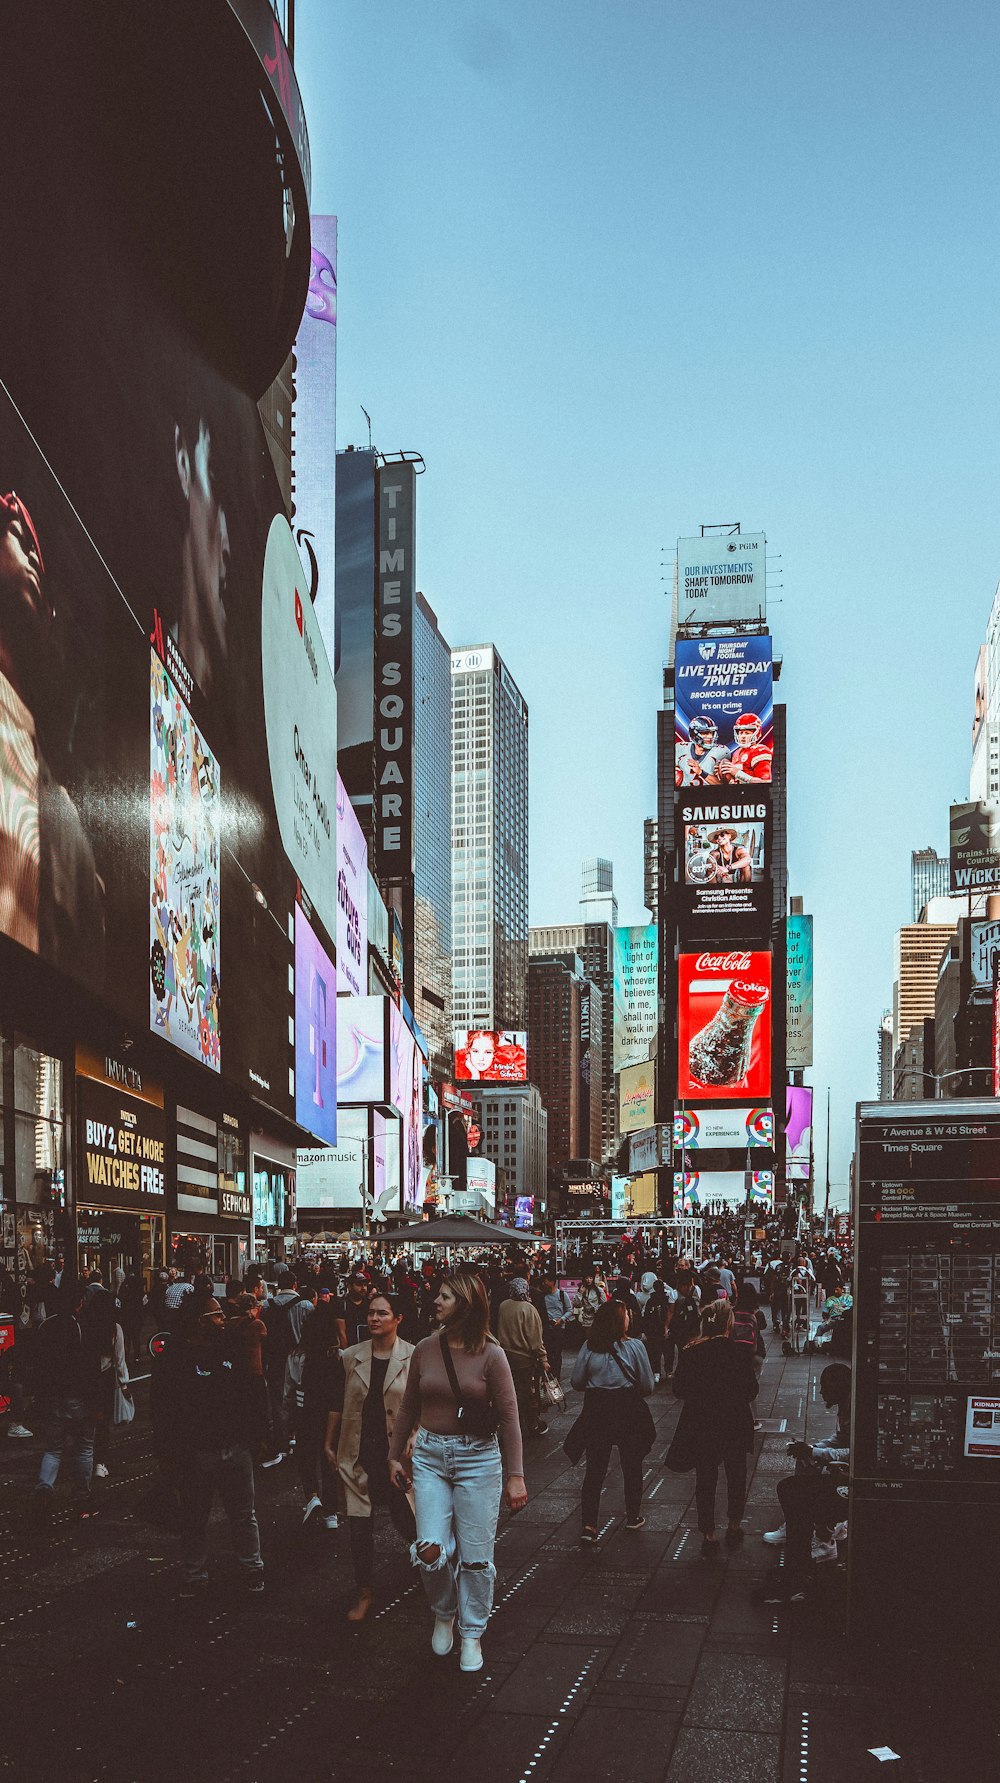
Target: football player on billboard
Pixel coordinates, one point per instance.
(704, 760)
(751, 760)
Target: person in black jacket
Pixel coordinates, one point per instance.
(67, 1374)
(209, 1416)
(717, 1382)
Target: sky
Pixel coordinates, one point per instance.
(618, 271)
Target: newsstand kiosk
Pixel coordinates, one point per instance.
(924, 1523)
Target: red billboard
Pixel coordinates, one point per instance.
(724, 1025)
(484, 1055)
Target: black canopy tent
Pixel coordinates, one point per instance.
(460, 1229)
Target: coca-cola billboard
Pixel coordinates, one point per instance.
(724, 1026)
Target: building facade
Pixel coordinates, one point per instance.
(597, 893)
(432, 932)
(514, 1125)
(554, 989)
(593, 943)
(917, 951)
(928, 879)
(489, 841)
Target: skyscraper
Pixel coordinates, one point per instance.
(597, 896)
(489, 871)
(918, 948)
(928, 879)
(593, 942)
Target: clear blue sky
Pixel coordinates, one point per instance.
(620, 269)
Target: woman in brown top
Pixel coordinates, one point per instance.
(457, 1474)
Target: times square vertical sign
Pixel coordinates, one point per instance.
(394, 685)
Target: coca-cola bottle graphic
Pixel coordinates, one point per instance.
(719, 1054)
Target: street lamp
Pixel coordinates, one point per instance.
(937, 1078)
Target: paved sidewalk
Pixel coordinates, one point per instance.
(636, 1661)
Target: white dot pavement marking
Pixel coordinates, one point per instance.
(804, 1748)
(654, 1490)
(680, 1544)
(553, 1726)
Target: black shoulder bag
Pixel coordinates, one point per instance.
(475, 1418)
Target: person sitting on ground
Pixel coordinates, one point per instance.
(810, 1498)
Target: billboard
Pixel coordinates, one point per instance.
(185, 811)
(636, 965)
(396, 503)
(406, 1093)
(352, 898)
(314, 441)
(361, 1060)
(619, 1196)
(484, 1055)
(798, 1132)
(331, 1176)
(482, 1178)
(724, 1026)
(315, 1033)
(720, 580)
(354, 651)
(723, 1129)
(644, 1150)
(723, 1191)
(975, 846)
(524, 1211)
(723, 878)
(984, 949)
(724, 711)
(636, 1090)
(799, 992)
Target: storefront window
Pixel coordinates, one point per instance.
(32, 1164)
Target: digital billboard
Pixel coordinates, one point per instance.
(724, 1025)
(361, 1060)
(636, 1091)
(644, 1150)
(315, 1033)
(799, 992)
(723, 1191)
(723, 878)
(490, 1056)
(724, 711)
(354, 654)
(352, 898)
(185, 806)
(524, 1211)
(395, 485)
(636, 965)
(720, 579)
(314, 441)
(406, 1084)
(975, 846)
(723, 1129)
(331, 1176)
(798, 1132)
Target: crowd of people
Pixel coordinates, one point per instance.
(410, 1393)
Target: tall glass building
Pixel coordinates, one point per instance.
(489, 875)
(928, 878)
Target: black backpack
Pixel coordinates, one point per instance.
(685, 1320)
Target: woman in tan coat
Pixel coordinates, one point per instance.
(520, 1336)
(358, 1438)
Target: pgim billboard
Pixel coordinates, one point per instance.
(724, 1025)
(721, 579)
(724, 711)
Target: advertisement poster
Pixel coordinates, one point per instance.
(636, 1092)
(619, 1197)
(984, 949)
(315, 1033)
(723, 1191)
(799, 992)
(724, 1026)
(123, 1141)
(724, 711)
(720, 580)
(636, 965)
(723, 1129)
(644, 1150)
(723, 879)
(975, 846)
(524, 1211)
(490, 1056)
(331, 1176)
(352, 898)
(184, 912)
(406, 1081)
(982, 1428)
(798, 1132)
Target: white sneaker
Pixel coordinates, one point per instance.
(275, 1460)
(100, 1471)
(315, 1504)
(840, 1532)
(824, 1550)
(775, 1538)
(472, 1655)
(443, 1638)
(332, 1521)
(17, 1430)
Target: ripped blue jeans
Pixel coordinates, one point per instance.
(457, 1481)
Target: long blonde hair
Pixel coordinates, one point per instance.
(716, 1321)
(471, 1321)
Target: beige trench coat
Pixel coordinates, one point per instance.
(357, 1379)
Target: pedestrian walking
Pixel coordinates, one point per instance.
(460, 1393)
(558, 1319)
(209, 1417)
(612, 1372)
(358, 1438)
(317, 1389)
(655, 1300)
(66, 1376)
(104, 1340)
(588, 1300)
(717, 1382)
(131, 1307)
(520, 1336)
